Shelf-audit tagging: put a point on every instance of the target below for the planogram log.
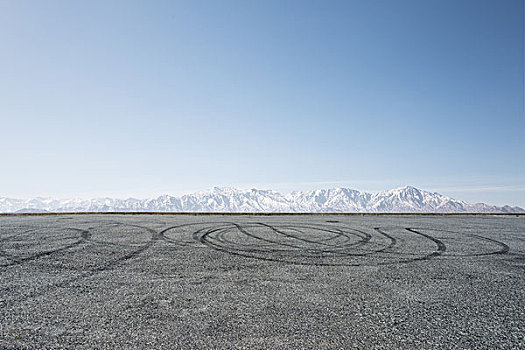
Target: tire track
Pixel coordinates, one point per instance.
(270, 243)
(43, 290)
(17, 260)
(315, 244)
(310, 251)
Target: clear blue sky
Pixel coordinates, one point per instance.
(139, 98)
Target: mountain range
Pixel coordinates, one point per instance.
(406, 199)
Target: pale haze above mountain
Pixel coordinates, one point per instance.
(337, 200)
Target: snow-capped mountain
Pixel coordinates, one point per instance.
(337, 200)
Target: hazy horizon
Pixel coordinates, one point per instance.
(247, 189)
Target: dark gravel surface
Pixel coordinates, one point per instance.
(258, 282)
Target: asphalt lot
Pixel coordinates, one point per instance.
(258, 282)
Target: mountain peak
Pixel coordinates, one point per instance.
(407, 199)
(405, 189)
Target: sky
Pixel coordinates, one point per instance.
(142, 98)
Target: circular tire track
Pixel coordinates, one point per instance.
(125, 252)
(320, 244)
(477, 244)
(341, 245)
(36, 243)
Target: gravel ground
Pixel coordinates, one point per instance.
(258, 282)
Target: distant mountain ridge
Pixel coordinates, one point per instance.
(406, 199)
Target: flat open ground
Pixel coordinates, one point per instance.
(254, 282)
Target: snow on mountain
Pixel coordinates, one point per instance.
(332, 200)
(234, 200)
(337, 200)
(412, 200)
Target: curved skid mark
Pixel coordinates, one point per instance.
(104, 267)
(162, 234)
(355, 247)
(504, 248)
(441, 246)
(220, 236)
(295, 237)
(300, 251)
(274, 250)
(18, 260)
(222, 249)
(240, 228)
(393, 241)
(364, 240)
(338, 247)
